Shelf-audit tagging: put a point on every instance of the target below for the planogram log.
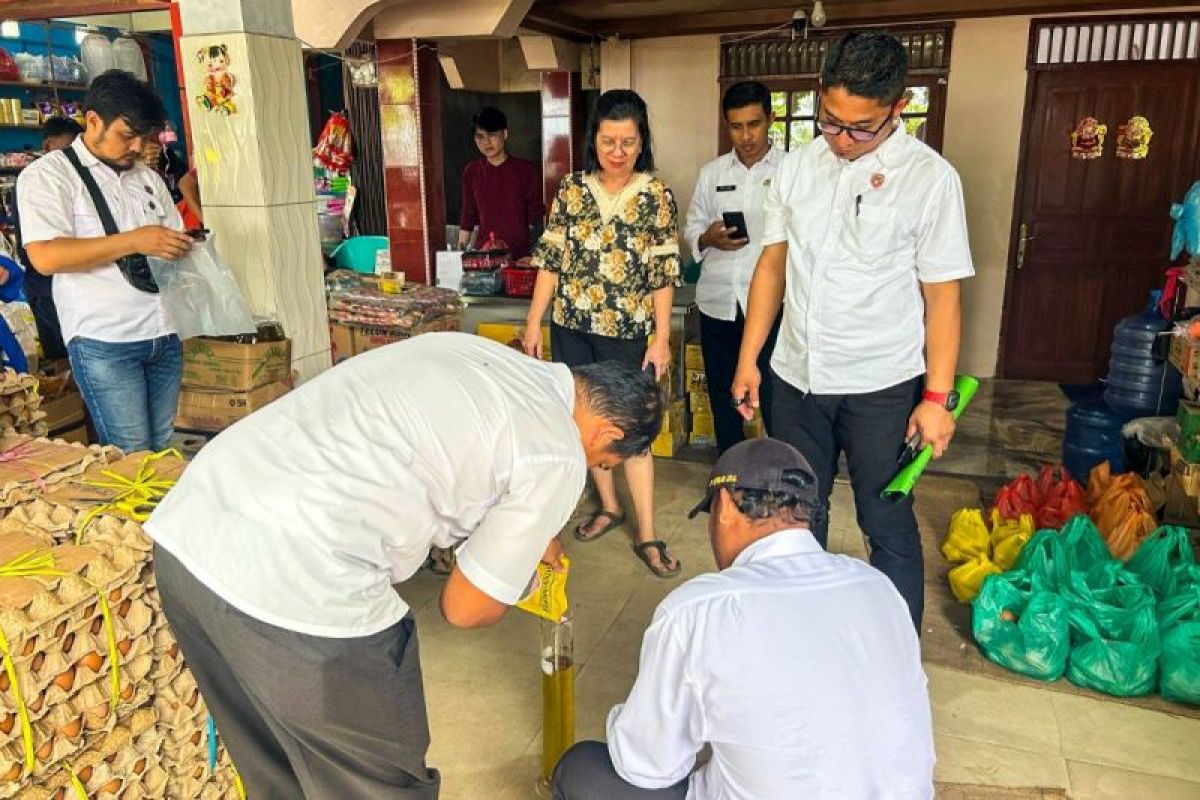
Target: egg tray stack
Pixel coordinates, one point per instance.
(186, 751)
(20, 403)
(54, 624)
(29, 467)
(125, 763)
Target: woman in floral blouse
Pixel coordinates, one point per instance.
(609, 260)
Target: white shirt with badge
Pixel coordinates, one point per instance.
(54, 204)
(726, 185)
(862, 237)
(304, 514)
(800, 668)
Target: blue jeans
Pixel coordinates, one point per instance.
(131, 388)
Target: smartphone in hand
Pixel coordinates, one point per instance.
(737, 221)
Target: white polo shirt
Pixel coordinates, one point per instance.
(54, 204)
(304, 514)
(862, 237)
(801, 669)
(726, 184)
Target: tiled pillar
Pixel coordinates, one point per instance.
(411, 120)
(254, 161)
(562, 129)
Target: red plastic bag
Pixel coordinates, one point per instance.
(1018, 496)
(8, 67)
(1061, 497)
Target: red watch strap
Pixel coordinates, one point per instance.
(935, 397)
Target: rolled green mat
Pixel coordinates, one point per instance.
(902, 484)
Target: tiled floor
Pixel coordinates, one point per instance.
(483, 687)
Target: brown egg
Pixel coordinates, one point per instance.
(97, 625)
(85, 774)
(92, 661)
(91, 609)
(7, 722)
(127, 692)
(124, 645)
(196, 738)
(60, 630)
(123, 609)
(66, 680)
(37, 662)
(112, 787)
(139, 766)
(45, 750)
(1008, 616)
(114, 595)
(68, 643)
(71, 729)
(61, 794)
(37, 703)
(13, 773)
(29, 646)
(3, 681)
(173, 650)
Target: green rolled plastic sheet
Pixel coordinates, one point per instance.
(1034, 638)
(902, 484)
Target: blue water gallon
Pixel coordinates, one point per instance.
(1093, 436)
(1140, 384)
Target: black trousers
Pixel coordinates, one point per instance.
(586, 772)
(576, 348)
(870, 429)
(304, 716)
(720, 341)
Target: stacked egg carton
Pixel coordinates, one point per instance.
(20, 403)
(30, 467)
(56, 690)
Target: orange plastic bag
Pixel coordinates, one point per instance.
(968, 536)
(1121, 509)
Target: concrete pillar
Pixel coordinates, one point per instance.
(616, 64)
(249, 123)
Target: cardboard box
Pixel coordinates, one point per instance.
(668, 443)
(1186, 473)
(77, 435)
(702, 440)
(693, 356)
(703, 425)
(1180, 508)
(341, 341)
(507, 334)
(696, 381)
(699, 402)
(202, 410)
(1188, 417)
(64, 411)
(1184, 356)
(213, 364)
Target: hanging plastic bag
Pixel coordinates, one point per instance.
(966, 578)
(1008, 538)
(1115, 638)
(968, 536)
(1061, 497)
(1180, 663)
(200, 295)
(1163, 560)
(1022, 626)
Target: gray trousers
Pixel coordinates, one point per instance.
(304, 716)
(586, 772)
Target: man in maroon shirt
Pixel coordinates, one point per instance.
(501, 194)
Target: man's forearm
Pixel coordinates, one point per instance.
(943, 333)
(78, 255)
(766, 296)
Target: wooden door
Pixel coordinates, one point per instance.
(1091, 237)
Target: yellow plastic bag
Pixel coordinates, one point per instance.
(968, 536)
(967, 578)
(548, 596)
(1008, 539)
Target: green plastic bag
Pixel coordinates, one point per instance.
(1180, 663)
(1115, 636)
(1164, 560)
(1021, 626)
(1054, 555)
(1183, 606)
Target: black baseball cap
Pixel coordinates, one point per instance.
(764, 465)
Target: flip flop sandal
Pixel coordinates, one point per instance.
(614, 521)
(641, 548)
(441, 560)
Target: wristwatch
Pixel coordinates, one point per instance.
(947, 400)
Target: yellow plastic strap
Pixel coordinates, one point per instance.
(135, 498)
(237, 782)
(40, 564)
(77, 784)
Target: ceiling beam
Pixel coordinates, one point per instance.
(862, 13)
(554, 22)
(46, 9)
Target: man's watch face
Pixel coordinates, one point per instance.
(951, 400)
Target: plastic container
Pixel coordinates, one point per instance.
(1093, 436)
(482, 283)
(96, 51)
(558, 694)
(492, 254)
(358, 253)
(128, 56)
(518, 282)
(1140, 382)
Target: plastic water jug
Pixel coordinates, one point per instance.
(1093, 435)
(1140, 382)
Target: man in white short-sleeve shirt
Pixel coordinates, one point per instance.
(277, 551)
(799, 668)
(124, 353)
(865, 246)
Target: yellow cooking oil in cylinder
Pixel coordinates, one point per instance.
(558, 693)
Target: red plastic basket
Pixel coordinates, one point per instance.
(518, 282)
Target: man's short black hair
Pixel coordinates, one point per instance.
(628, 398)
(746, 93)
(117, 94)
(488, 119)
(60, 126)
(870, 64)
(616, 105)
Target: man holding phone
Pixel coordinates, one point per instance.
(866, 237)
(724, 228)
(90, 215)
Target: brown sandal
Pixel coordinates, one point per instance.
(642, 548)
(615, 520)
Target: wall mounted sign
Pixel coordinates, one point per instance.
(218, 80)
(1087, 140)
(1133, 138)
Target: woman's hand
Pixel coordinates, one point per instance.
(658, 354)
(531, 340)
